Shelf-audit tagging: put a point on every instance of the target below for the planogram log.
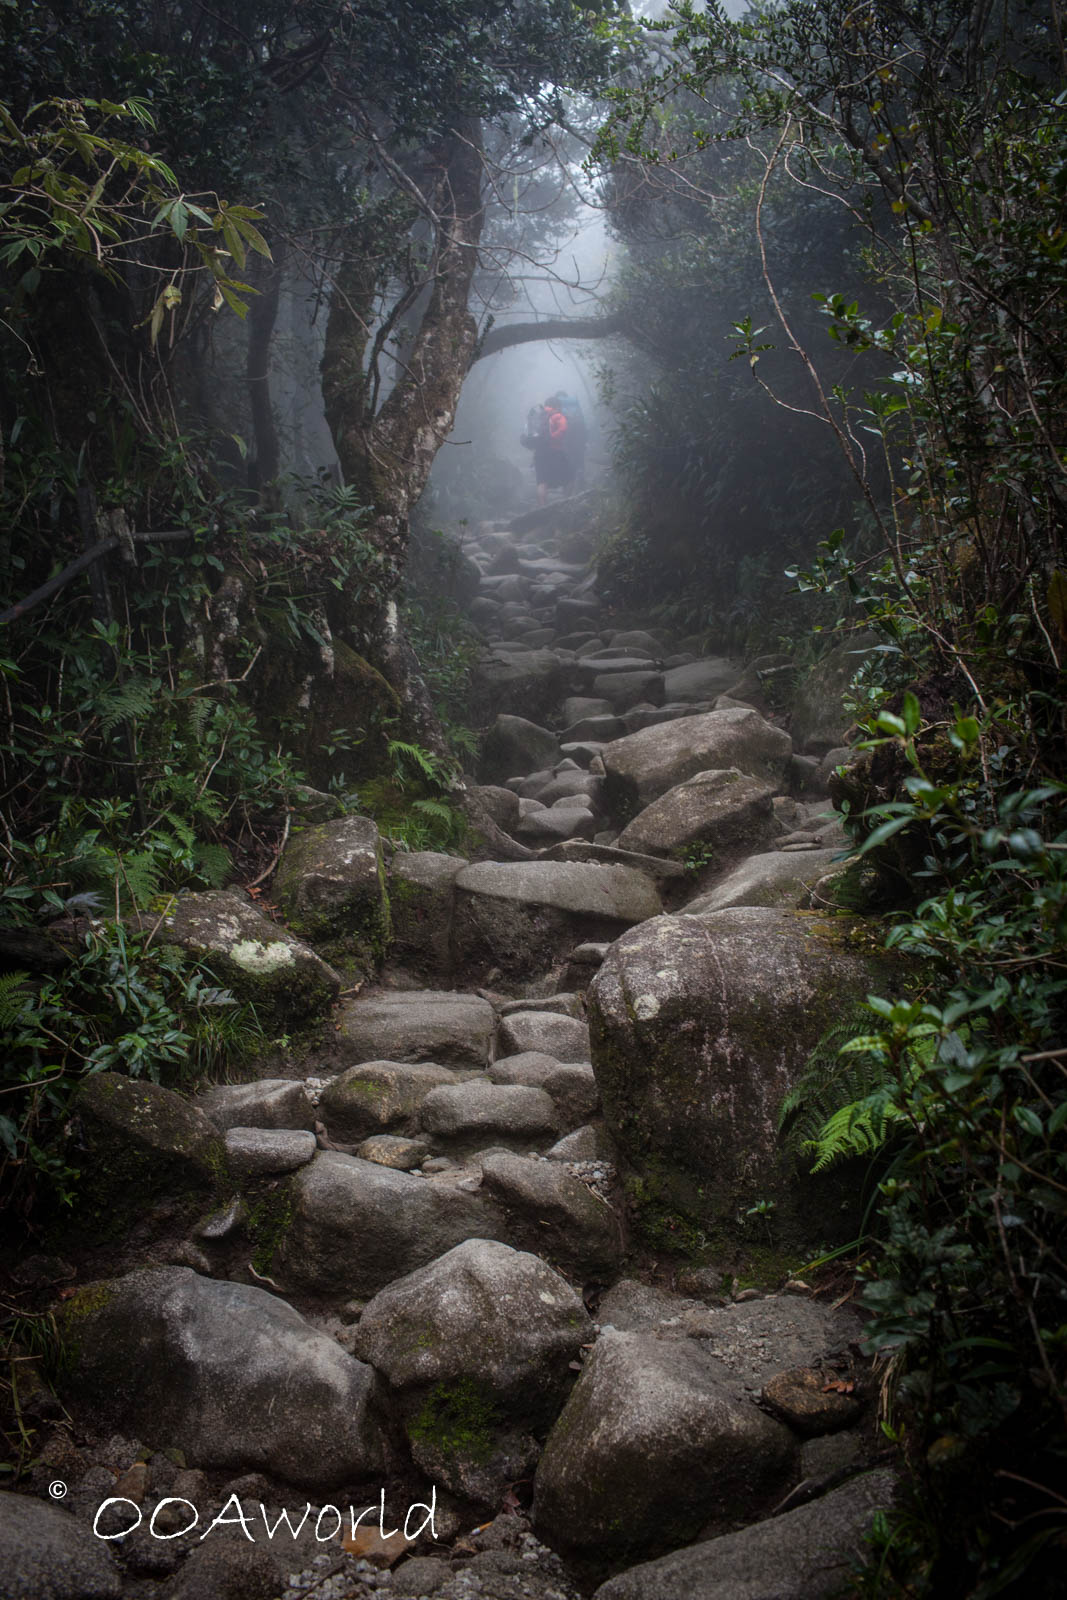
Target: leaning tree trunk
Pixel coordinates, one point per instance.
(388, 456)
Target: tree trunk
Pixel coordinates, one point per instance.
(388, 457)
(262, 316)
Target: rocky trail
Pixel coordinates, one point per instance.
(515, 1239)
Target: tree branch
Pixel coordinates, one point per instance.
(510, 334)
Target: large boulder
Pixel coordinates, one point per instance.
(420, 905)
(49, 1555)
(500, 1318)
(644, 765)
(477, 1110)
(805, 1554)
(280, 976)
(549, 1210)
(355, 1225)
(528, 683)
(514, 746)
(657, 1445)
(776, 878)
(226, 1373)
(266, 1103)
(441, 1025)
(377, 1096)
(564, 1037)
(700, 680)
(699, 1026)
(330, 887)
(721, 810)
(522, 916)
(145, 1147)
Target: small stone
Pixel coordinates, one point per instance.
(390, 1150)
(225, 1223)
(133, 1484)
(812, 1402)
(188, 1254)
(744, 1295)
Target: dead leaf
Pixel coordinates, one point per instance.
(369, 1545)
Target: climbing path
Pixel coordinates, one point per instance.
(443, 1271)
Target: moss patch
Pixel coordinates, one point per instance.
(456, 1419)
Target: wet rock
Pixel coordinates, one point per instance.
(576, 707)
(478, 1109)
(501, 804)
(377, 1096)
(654, 1447)
(46, 1554)
(588, 1143)
(525, 682)
(257, 1152)
(421, 907)
(330, 887)
(522, 916)
(550, 826)
(283, 978)
(356, 1226)
(601, 729)
(819, 722)
(439, 1025)
(192, 1362)
(644, 765)
(806, 1554)
(563, 1037)
(722, 810)
(812, 1401)
(391, 1150)
(145, 1145)
(498, 1319)
(268, 1103)
(514, 745)
(700, 680)
(775, 879)
(551, 1211)
(655, 867)
(699, 1026)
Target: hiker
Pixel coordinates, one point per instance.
(546, 435)
(571, 408)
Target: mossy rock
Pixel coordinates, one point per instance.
(699, 1026)
(147, 1149)
(286, 982)
(330, 887)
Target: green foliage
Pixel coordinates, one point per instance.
(72, 190)
(121, 1004)
(842, 1104)
(940, 131)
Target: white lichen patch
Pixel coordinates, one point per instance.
(646, 1006)
(262, 958)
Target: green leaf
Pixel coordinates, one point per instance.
(884, 831)
(1029, 1120)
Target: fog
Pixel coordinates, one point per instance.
(483, 469)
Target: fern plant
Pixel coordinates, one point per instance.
(847, 1101)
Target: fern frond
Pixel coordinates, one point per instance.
(13, 997)
(213, 863)
(142, 874)
(135, 699)
(858, 1129)
(838, 1105)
